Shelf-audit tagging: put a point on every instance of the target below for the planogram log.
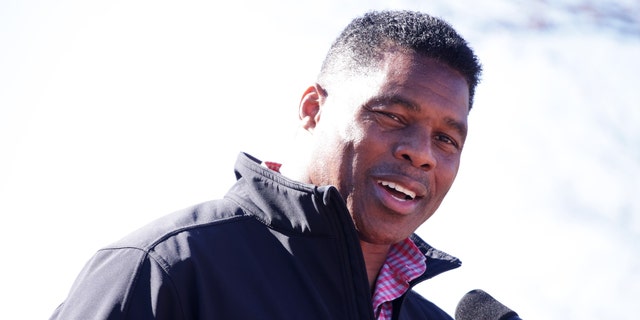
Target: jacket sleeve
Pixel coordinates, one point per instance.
(123, 283)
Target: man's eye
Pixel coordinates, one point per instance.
(389, 120)
(391, 116)
(447, 139)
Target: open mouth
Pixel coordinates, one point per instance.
(398, 191)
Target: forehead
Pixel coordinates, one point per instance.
(402, 76)
(424, 77)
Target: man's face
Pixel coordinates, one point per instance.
(390, 142)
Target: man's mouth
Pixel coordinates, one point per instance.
(398, 191)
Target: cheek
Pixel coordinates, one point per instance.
(447, 174)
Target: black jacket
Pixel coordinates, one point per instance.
(272, 248)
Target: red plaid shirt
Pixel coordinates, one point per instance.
(404, 263)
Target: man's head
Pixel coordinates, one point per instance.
(362, 44)
(387, 120)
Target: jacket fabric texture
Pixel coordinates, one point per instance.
(272, 248)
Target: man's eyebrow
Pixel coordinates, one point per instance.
(393, 99)
(458, 126)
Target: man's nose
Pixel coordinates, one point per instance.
(417, 148)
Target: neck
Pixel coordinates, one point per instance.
(374, 257)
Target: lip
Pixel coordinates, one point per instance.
(392, 201)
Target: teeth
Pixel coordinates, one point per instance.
(392, 185)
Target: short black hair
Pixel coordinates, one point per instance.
(362, 44)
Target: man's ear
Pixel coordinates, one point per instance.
(310, 105)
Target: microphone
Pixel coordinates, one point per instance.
(479, 305)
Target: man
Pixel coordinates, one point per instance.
(332, 236)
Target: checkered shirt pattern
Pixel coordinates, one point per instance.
(404, 263)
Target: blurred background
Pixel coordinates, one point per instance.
(115, 113)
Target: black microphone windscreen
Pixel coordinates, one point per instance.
(479, 305)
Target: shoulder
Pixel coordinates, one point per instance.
(193, 219)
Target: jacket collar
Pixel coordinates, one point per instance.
(437, 261)
(280, 203)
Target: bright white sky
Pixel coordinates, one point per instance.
(115, 113)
